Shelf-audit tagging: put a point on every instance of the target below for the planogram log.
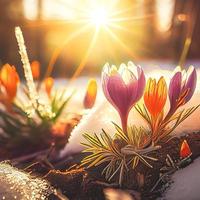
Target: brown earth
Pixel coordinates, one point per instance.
(88, 184)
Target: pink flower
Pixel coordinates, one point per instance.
(182, 87)
(123, 88)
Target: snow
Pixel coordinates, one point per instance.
(186, 183)
(103, 114)
(15, 184)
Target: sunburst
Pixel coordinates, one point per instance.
(110, 19)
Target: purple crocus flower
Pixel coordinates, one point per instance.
(181, 87)
(123, 88)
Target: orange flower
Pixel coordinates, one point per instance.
(35, 68)
(185, 150)
(48, 82)
(155, 96)
(9, 80)
(91, 94)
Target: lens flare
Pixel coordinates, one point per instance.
(99, 17)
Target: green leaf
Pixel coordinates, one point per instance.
(62, 107)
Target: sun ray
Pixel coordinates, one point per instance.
(133, 19)
(121, 11)
(58, 50)
(121, 43)
(74, 7)
(110, 19)
(121, 28)
(85, 58)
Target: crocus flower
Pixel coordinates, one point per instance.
(35, 68)
(9, 80)
(185, 150)
(91, 94)
(48, 82)
(181, 88)
(155, 96)
(123, 88)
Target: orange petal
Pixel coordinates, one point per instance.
(35, 68)
(161, 95)
(185, 150)
(48, 85)
(91, 93)
(9, 79)
(155, 96)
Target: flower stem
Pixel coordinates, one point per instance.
(124, 120)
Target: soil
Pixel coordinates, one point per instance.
(78, 183)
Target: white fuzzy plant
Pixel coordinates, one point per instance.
(35, 105)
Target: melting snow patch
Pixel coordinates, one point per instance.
(186, 183)
(15, 184)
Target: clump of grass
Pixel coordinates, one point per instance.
(120, 153)
(166, 125)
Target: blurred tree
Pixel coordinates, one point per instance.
(11, 15)
(185, 25)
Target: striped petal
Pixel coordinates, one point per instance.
(175, 89)
(191, 82)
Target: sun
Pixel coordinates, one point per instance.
(104, 21)
(99, 17)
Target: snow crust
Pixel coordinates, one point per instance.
(186, 183)
(16, 184)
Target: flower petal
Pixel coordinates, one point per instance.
(132, 89)
(185, 150)
(9, 79)
(105, 78)
(141, 83)
(191, 82)
(155, 96)
(35, 68)
(49, 82)
(118, 93)
(106, 68)
(126, 74)
(90, 95)
(175, 88)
